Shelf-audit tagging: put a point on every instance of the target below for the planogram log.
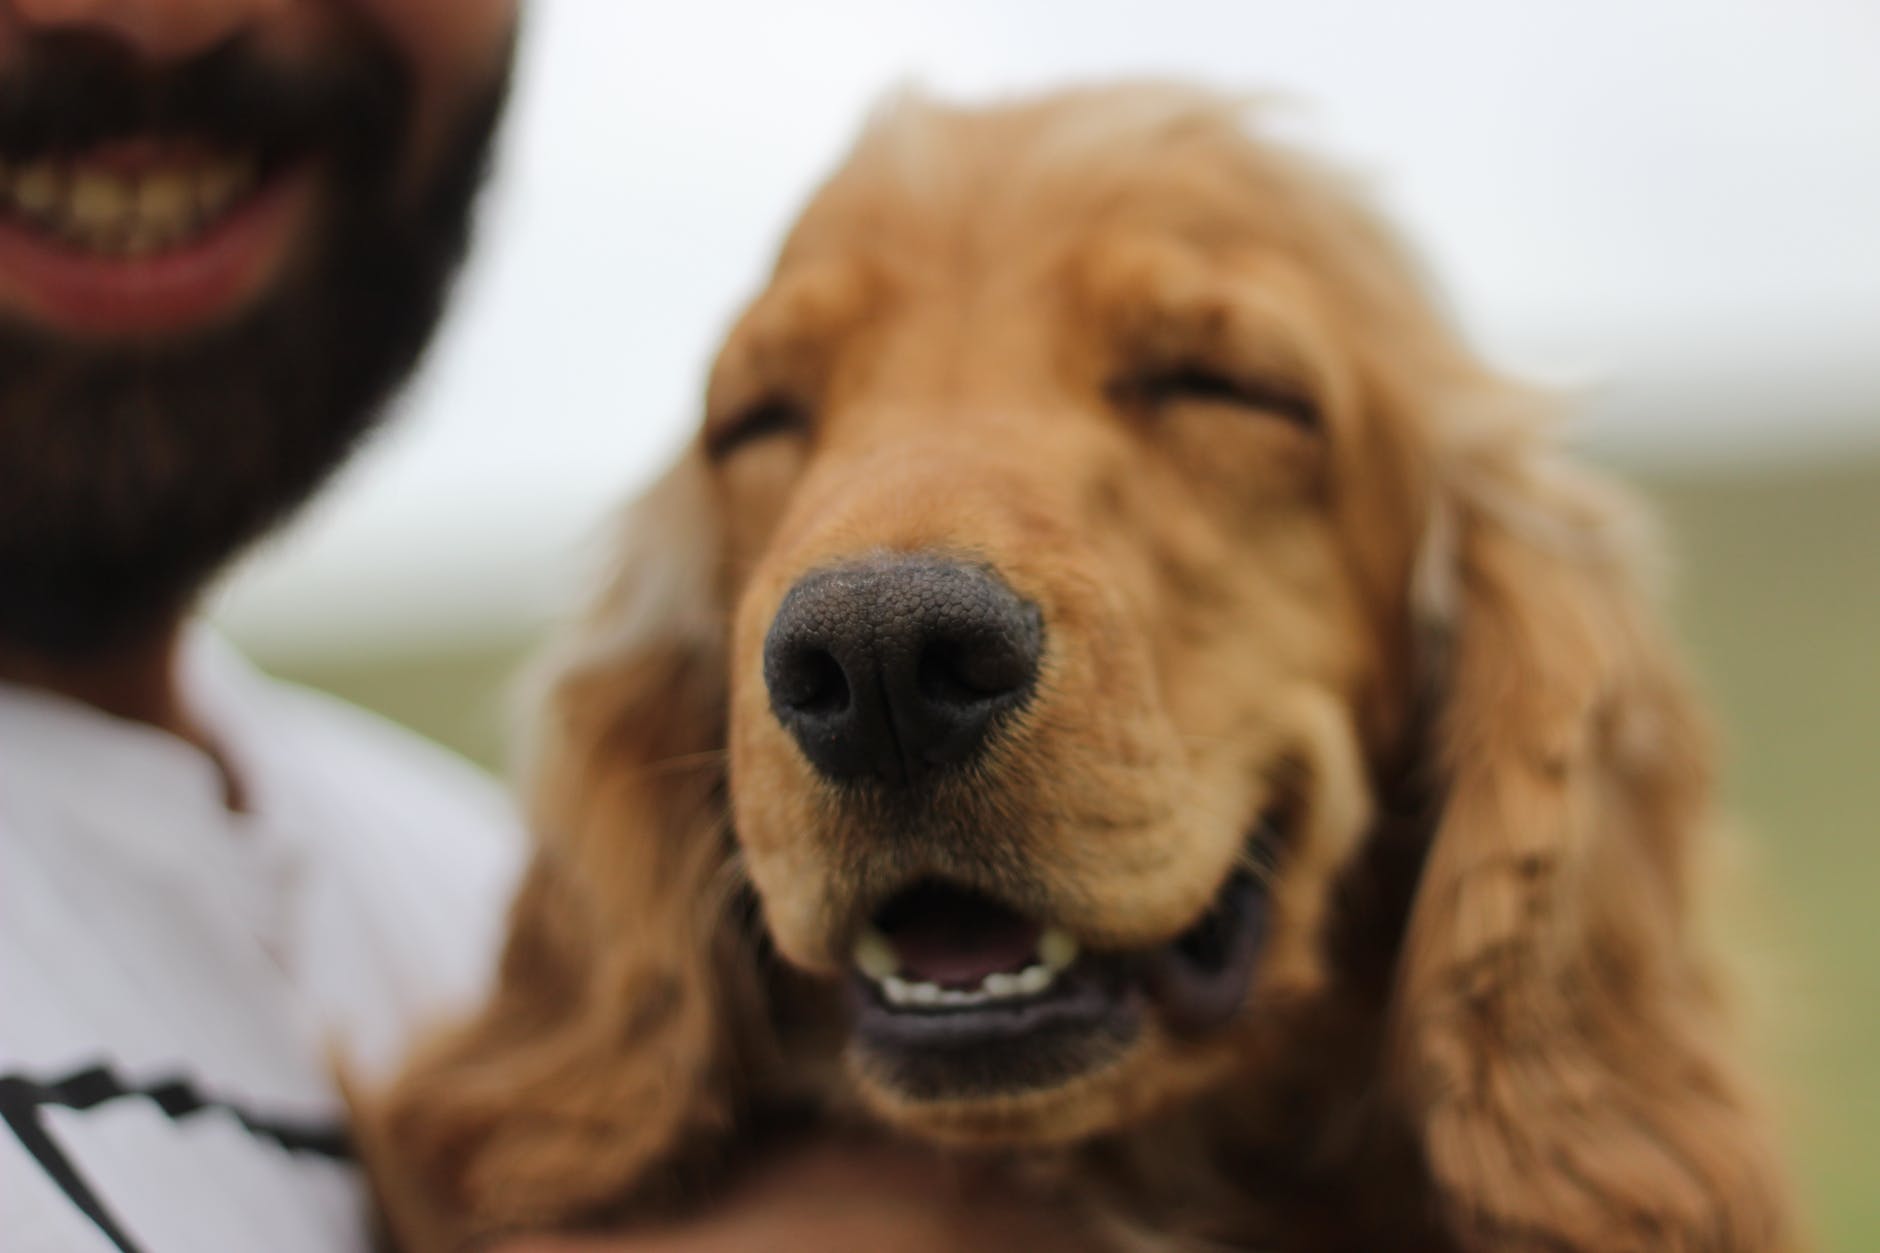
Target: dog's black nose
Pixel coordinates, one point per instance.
(895, 667)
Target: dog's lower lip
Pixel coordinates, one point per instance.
(1199, 981)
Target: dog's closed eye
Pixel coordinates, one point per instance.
(771, 415)
(1159, 389)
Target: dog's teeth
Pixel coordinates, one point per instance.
(1057, 949)
(963, 996)
(875, 956)
(1033, 979)
(999, 985)
(1016, 986)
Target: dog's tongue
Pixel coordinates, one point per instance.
(951, 937)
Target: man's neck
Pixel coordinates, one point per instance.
(140, 681)
(137, 680)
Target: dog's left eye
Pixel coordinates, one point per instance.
(1158, 389)
(773, 415)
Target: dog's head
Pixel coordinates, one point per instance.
(1094, 537)
(1071, 509)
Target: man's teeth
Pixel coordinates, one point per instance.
(875, 957)
(120, 214)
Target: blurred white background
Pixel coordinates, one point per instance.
(1673, 205)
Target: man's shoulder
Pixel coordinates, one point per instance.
(331, 737)
(312, 749)
(411, 854)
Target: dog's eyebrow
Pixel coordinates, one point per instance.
(1236, 335)
(785, 338)
(1163, 299)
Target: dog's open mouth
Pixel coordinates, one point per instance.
(958, 993)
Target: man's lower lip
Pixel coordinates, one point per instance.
(61, 288)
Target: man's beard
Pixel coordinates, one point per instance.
(130, 473)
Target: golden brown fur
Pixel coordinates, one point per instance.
(1413, 635)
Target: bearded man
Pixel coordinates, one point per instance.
(227, 228)
(226, 231)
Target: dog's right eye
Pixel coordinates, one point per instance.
(1199, 384)
(774, 415)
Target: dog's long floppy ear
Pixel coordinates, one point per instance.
(627, 1004)
(1557, 1039)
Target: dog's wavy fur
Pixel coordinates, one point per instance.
(1484, 1020)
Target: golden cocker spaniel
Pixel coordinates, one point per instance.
(1117, 687)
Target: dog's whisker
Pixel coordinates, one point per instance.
(731, 878)
(1259, 859)
(686, 761)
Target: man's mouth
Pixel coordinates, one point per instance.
(958, 994)
(144, 234)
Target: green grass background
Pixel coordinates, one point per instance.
(1777, 594)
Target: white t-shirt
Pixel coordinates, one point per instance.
(174, 976)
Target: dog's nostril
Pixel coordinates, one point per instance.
(944, 675)
(811, 682)
(969, 670)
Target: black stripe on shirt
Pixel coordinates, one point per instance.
(22, 1097)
